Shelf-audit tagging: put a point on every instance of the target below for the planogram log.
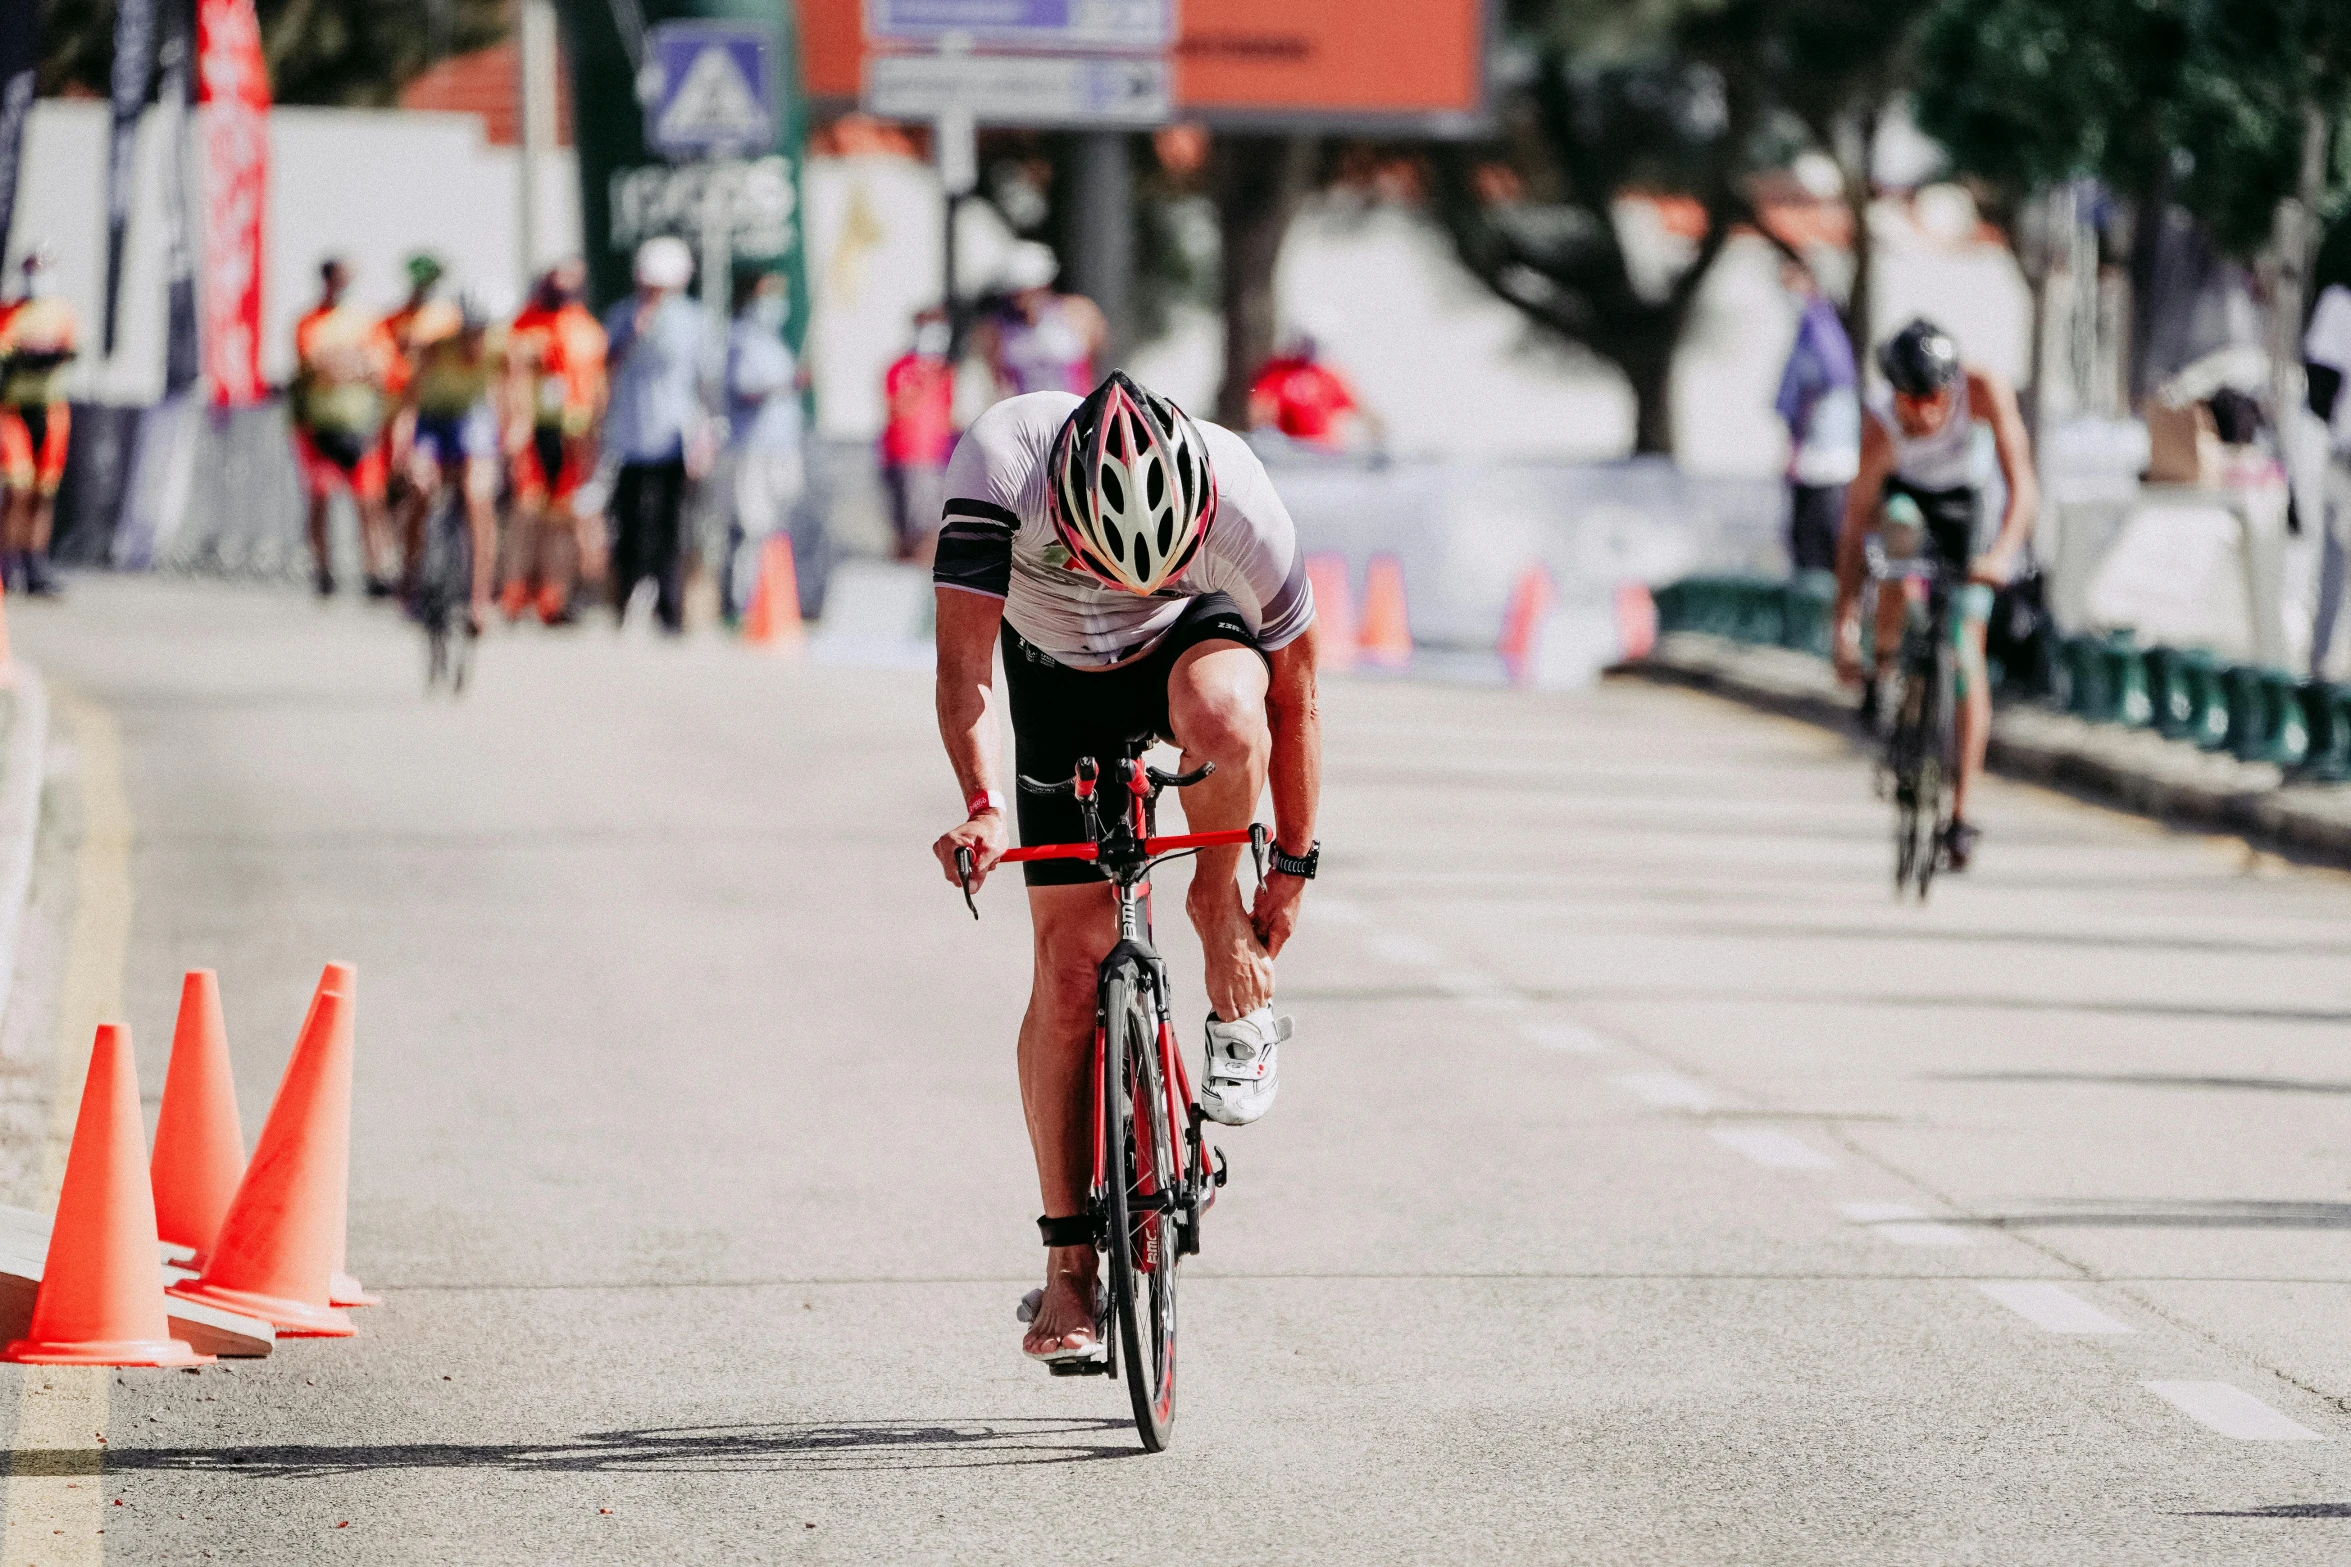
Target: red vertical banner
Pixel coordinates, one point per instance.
(233, 87)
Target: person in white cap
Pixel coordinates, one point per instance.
(1040, 340)
(654, 360)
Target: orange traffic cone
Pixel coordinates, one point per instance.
(1334, 610)
(199, 1146)
(280, 1241)
(1522, 622)
(342, 1288)
(772, 618)
(1387, 630)
(101, 1296)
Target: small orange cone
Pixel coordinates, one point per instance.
(772, 618)
(101, 1296)
(1334, 610)
(1522, 622)
(199, 1146)
(281, 1240)
(1387, 630)
(342, 1288)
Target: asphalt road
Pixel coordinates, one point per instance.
(1646, 1185)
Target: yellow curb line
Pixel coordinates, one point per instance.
(55, 1511)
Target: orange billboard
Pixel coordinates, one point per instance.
(1403, 65)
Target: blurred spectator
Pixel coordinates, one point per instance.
(656, 340)
(1038, 340)
(763, 472)
(556, 350)
(1308, 401)
(37, 340)
(424, 275)
(338, 407)
(918, 435)
(1820, 401)
(2326, 362)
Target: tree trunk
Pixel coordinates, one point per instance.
(1647, 362)
(1258, 181)
(1855, 145)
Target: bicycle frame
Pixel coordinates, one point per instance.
(1126, 853)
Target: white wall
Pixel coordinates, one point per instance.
(372, 185)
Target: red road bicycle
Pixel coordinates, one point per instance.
(1153, 1177)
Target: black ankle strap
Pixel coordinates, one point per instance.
(1078, 1229)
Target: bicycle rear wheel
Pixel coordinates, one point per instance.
(1143, 1179)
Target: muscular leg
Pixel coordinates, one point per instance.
(318, 534)
(1216, 704)
(1973, 721)
(480, 480)
(1073, 931)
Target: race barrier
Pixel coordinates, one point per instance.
(2252, 712)
(174, 1258)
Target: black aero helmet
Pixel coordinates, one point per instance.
(1920, 360)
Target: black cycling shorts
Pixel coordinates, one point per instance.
(1060, 714)
(1952, 517)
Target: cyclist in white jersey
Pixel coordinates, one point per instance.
(1143, 579)
(1920, 442)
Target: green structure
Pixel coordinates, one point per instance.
(628, 193)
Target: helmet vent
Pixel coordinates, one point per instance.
(1112, 488)
(1166, 530)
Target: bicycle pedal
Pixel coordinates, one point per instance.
(1079, 1368)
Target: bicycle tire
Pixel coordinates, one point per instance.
(1143, 1298)
(444, 585)
(1939, 767)
(1905, 755)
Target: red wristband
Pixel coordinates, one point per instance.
(984, 800)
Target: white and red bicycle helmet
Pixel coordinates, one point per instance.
(1131, 495)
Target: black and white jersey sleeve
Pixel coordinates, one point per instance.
(995, 482)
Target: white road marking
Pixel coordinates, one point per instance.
(1667, 1090)
(2054, 1308)
(1398, 948)
(1773, 1150)
(1573, 1038)
(2231, 1411)
(1903, 1224)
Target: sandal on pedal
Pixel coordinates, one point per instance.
(1077, 1229)
(1034, 1301)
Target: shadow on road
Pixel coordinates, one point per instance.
(2226, 1213)
(2260, 1085)
(2284, 1510)
(796, 1446)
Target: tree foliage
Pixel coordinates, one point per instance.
(1687, 98)
(2204, 101)
(352, 53)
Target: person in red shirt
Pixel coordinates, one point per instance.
(918, 435)
(556, 349)
(338, 407)
(1310, 402)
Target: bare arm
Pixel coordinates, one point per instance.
(1861, 516)
(1294, 773)
(1998, 400)
(966, 679)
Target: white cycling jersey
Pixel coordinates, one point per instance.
(998, 541)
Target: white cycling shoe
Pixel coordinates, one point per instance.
(1237, 1080)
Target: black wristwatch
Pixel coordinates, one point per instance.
(1300, 866)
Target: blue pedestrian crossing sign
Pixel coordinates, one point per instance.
(710, 89)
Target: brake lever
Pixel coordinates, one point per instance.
(963, 869)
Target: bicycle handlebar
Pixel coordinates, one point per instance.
(1154, 847)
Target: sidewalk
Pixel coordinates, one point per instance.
(2132, 769)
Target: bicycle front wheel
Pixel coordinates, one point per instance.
(1143, 1179)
